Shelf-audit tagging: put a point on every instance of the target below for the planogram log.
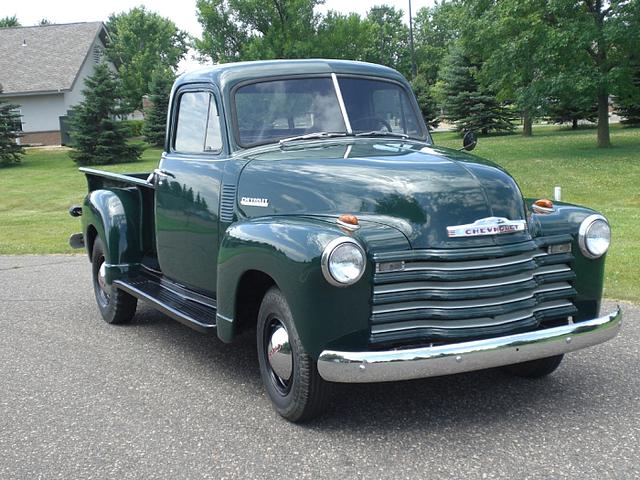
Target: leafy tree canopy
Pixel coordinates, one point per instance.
(139, 42)
(236, 30)
(9, 22)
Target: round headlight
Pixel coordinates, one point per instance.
(594, 236)
(343, 262)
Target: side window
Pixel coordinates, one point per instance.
(198, 128)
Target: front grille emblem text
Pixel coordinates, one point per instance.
(487, 226)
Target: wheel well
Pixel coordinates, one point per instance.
(92, 234)
(251, 290)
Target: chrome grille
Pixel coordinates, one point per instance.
(436, 295)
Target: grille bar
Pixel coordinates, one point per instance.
(446, 293)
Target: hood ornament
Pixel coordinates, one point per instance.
(487, 226)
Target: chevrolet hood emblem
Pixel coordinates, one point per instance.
(487, 226)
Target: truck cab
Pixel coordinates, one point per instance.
(306, 200)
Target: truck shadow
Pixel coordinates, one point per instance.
(477, 398)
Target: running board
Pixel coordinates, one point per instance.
(193, 314)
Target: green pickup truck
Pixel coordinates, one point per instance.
(306, 200)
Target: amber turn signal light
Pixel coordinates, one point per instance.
(349, 221)
(543, 205)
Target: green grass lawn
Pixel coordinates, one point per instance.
(34, 196)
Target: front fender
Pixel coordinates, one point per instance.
(589, 282)
(288, 249)
(115, 215)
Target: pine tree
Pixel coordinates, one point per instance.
(426, 102)
(465, 102)
(96, 136)
(10, 151)
(628, 102)
(155, 121)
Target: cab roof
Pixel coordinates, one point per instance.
(228, 74)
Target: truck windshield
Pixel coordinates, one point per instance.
(267, 112)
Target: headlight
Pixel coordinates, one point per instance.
(594, 236)
(343, 262)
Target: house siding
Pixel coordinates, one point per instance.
(40, 113)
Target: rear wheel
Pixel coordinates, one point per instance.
(289, 374)
(115, 305)
(535, 368)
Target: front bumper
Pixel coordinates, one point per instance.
(392, 365)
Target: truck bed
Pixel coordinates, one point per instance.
(101, 179)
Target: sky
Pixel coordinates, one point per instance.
(183, 12)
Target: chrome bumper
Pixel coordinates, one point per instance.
(392, 365)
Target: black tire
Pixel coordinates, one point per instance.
(535, 368)
(303, 395)
(115, 305)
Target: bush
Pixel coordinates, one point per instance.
(134, 127)
(10, 151)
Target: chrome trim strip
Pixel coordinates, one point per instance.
(386, 288)
(393, 365)
(343, 108)
(468, 323)
(471, 264)
(473, 303)
(443, 285)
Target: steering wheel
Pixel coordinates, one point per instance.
(365, 123)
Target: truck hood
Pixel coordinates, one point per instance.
(417, 189)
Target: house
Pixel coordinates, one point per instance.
(43, 68)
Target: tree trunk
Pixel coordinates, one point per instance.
(604, 140)
(527, 124)
(574, 124)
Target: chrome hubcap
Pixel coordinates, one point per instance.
(102, 281)
(279, 353)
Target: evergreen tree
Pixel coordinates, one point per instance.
(96, 136)
(628, 102)
(572, 109)
(10, 151)
(426, 102)
(465, 102)
(155, 121)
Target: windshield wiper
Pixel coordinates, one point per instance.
(313, 136)
(382, 133)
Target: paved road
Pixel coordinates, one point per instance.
(82, 399)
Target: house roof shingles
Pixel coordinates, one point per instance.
(44, 58)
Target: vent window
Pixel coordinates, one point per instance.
(97, 54)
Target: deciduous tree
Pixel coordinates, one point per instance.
(9, 22)
(139, 42)
(236, 30)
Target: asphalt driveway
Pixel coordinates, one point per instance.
(153, 399)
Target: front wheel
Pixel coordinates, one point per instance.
(115, 305)
(288, 373)
(535, 368)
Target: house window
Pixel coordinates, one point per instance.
(17, 124)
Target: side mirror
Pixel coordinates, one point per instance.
(469, 141)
